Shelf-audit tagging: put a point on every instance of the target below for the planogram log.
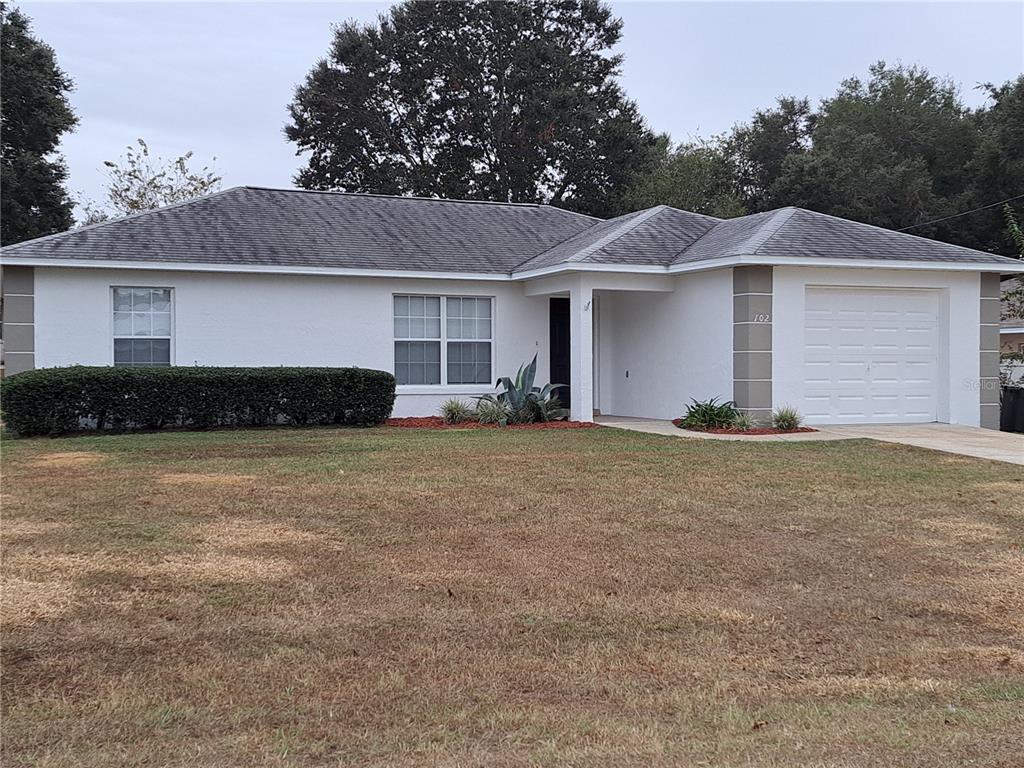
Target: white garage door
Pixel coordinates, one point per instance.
(871, 355)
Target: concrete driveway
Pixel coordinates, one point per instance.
(951, 438)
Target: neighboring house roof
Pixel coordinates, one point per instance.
(259, 227)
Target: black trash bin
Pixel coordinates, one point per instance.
(1011, 414)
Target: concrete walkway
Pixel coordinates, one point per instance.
(951, 438)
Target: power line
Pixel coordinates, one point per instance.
(958, 215)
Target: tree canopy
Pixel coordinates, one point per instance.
(139, 182)
(699, 176)
(899, 150)
(519, 102)
(510, 102)
(34, 113)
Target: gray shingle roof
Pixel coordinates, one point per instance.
(255, 226)
(799, 232)
(656, 239)
(668, 236)
(732, 237)
(576, 248)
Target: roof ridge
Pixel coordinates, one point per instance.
(616, 233)
(581, 233)
(119, 219)
(689, 245)
(416, 197)
(706, 232)
(767, 231)
(692, 213)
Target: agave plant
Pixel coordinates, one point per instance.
(525, 402)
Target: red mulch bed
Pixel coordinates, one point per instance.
(436, 422)
(735, 431)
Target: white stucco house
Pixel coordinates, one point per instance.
(847, 322)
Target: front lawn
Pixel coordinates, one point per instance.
(399, 597)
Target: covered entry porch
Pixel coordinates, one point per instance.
(638, 345)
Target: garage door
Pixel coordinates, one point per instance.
(871, 355)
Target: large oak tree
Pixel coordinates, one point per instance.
(497, 101)
(34, 113)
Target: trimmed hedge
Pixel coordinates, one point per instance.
(50, 401)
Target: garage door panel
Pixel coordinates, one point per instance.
(870, 355)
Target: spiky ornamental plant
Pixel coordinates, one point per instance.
(525, 402)
(455, 411)
(787, 418)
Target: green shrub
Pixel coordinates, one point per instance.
(455, 411)
(709, 414)
(490, 410)
(55, 400)
(787, 418)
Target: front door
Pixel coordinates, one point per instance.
(559, 347)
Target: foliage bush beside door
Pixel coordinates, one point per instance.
(55, 400)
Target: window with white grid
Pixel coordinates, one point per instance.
(443, 340)
(142, 326)
(468, 326)
(418, 339)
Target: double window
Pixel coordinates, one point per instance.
(443, 339)
(142, 326)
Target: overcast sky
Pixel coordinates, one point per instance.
(216, 78)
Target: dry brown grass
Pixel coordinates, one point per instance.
(399, 598)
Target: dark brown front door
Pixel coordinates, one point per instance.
(559, 347)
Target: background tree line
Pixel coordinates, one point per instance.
(521, 102)
(895, 150)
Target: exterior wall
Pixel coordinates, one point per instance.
(271, 320)
(960, 400)
(19, 319)
(752, 341)
(658, 350)
(658, 340)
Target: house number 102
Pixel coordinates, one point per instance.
(764, 317)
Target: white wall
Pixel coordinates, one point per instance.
(959, 402)
(271, 320)
(674, 345)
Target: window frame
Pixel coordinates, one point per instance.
(443, 341)
(171, 337)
